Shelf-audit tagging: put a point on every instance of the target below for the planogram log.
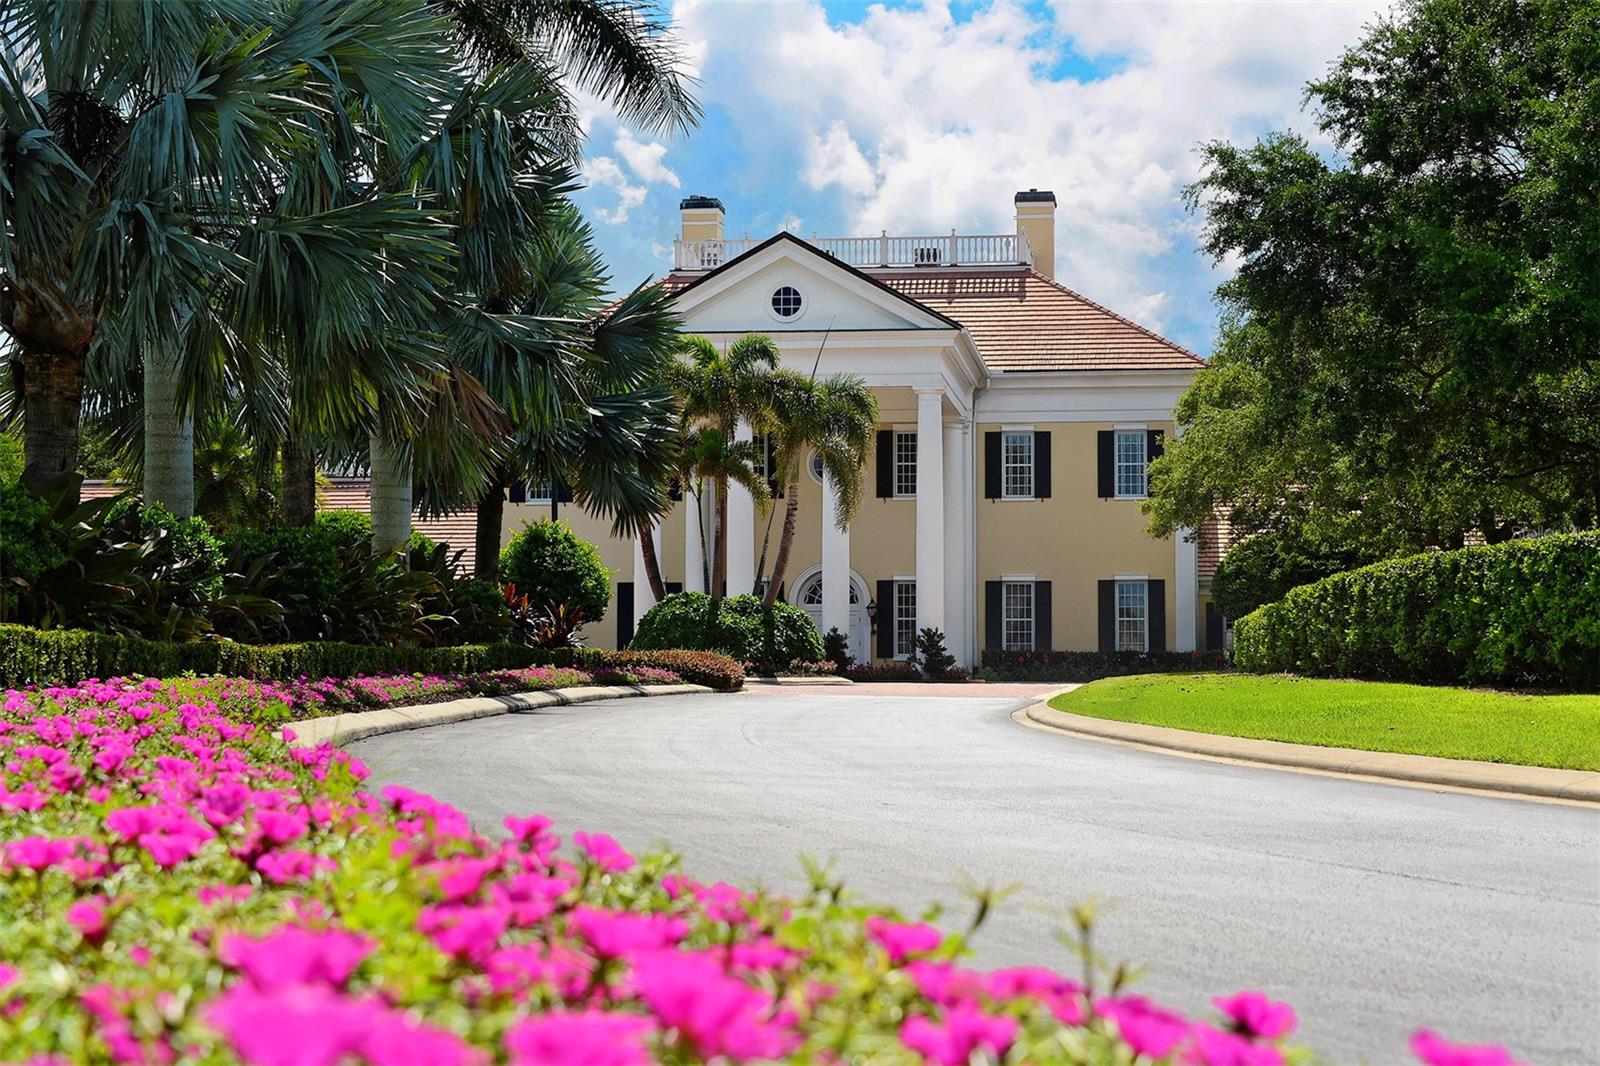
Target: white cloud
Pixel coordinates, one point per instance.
(644, 159)
(917, 122)
(602, 172)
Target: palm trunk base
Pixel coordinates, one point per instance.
(299, 483)
(486, 534)
(168, 438)
(52, 398)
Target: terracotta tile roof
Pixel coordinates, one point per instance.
(1023, 321)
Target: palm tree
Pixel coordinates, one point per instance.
(718, 390)
(144, 144)
(835, 417)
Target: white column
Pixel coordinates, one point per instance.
(930, 509)
(741, 531)
(835, 567)
(1186, 580)
(957, 497)
(694, 545)
(643, 597)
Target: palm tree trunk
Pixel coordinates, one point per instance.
(391, 497)
(486, 534)
(299, 482)
(52, 404)
(652, 565)
(791, 512)
(719, 561)
(168, 437)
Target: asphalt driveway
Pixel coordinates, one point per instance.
(1372, 908)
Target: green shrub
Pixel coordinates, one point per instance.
(1092, 665)
(836, 649)
(188, 546)
(932, 658)
(28, 546)
(552, 566)
(480, 611)
(741, 628)
(1264, 567)
(1522, 613)
(696, 667)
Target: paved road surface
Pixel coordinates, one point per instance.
(1372, 908)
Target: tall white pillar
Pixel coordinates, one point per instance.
(957, 497)
(694, 545)
(930, 509)
(741, 531)
(1186, 580)
(835, 567)
(643, 597)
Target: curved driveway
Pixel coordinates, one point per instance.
(1371, 908)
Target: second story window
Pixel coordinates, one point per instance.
(1132, 480)
(1016, 465)
(905, 463)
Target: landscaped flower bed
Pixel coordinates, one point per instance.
(176, 883)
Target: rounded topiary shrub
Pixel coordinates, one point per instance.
(741, 627)
(552, 565)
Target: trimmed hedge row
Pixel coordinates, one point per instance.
(1091, 665)
(31, 656)
(1522, 613)
(709, 668)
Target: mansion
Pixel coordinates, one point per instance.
(1018, 419)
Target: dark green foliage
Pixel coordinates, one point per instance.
(888, 670)
(836, 649)
(31, 656)
(187, 545)
(707, 668)
(27, 545)
(741, 627)
(1089, 665)
(1522, 613)
(932, 658)
(555, 568)
(479, 608)
(1264, 567)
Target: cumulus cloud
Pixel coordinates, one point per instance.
(602, 172)
(644, 159)
(916, 121)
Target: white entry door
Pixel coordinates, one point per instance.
(810, 598)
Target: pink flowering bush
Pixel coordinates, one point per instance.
(178, 884)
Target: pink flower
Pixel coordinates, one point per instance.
(40, 853)
(463, 930)
(903, 939)
(300, 1025)
(89, 917)
(1143, 1026)
(281, 867)
(295, 955)
(966, 1029)
(720, 1015)
(617, 934)
(1434, 1050)
(593, 1038)
(603, 851)
(1212, 1047)
(1253, 1014)
(525, 830)
(211, 894)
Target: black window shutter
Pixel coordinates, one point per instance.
(1157, 593)
(1153, 448)
(673, 587)
(518, 492)
(1041, 466)
(992, 619)
(1213, 627)
(991, 466)
(1108, 614)
(885, 464)
(885, 615)
(624, 608)
(1041, 616)
(1107, 440)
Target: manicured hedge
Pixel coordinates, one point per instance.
(740, 627)
(66, 656)
(707, 668)
(1090, 665)
(1522, 613)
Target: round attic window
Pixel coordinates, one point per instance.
(786, 302)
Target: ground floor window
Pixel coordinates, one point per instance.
(905, 618)
(1133, 616)
(1017, 615)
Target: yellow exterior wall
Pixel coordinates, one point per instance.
(1074, 539)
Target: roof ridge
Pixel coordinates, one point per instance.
(1148, 332)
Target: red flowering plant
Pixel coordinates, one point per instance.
(178, 884)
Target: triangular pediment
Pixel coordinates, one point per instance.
(738, 296)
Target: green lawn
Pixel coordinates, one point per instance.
(1457, 723)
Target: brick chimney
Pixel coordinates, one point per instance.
(1036, 219)
(702, 218)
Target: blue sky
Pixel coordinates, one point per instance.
(843, 118)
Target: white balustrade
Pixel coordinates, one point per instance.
(945, 249)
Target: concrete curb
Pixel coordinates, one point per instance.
(823, 679)
(1575, 786)
(343, 728)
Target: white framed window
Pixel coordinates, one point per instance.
(905, 618)
(1017, 619)
(1133, 615)
(787, 302)
(1132, 464)
(905, 463)
(540, 491)
(1016, 464)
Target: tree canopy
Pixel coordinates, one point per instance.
(1411, 340)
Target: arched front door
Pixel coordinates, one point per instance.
(809, 596)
